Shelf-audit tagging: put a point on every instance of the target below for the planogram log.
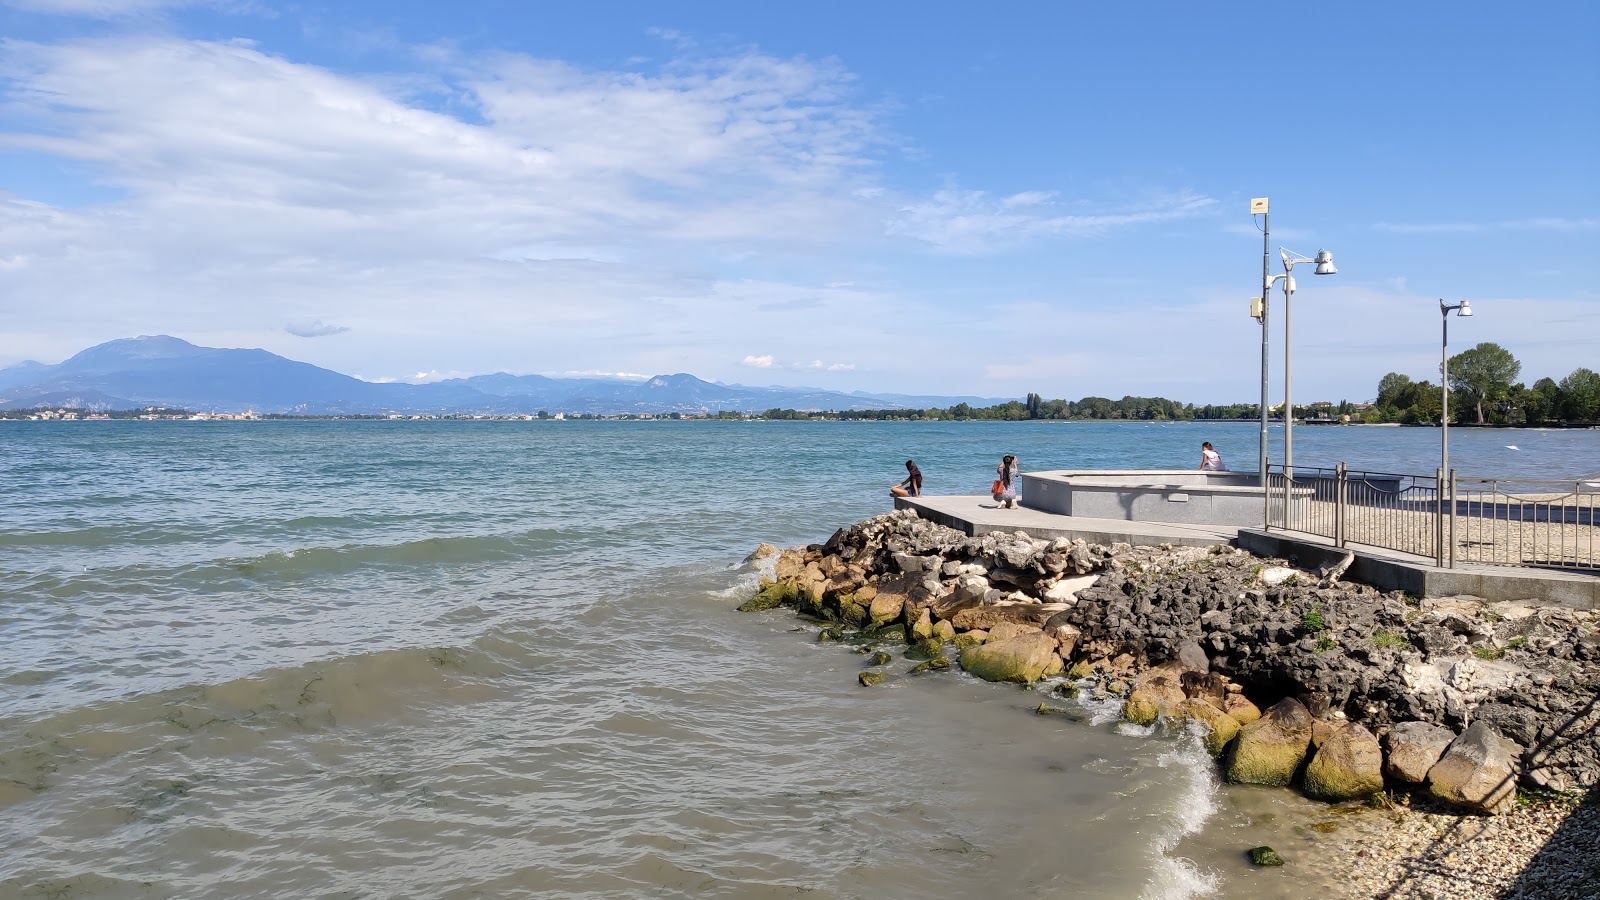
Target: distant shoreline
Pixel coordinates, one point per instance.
(832, 416)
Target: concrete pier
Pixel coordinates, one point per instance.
(1379, 567)
(979, 514)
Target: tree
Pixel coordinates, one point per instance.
(1541, 401)
(1424, 403)
(1579, 395)
(1483, 373)
(1390, 388)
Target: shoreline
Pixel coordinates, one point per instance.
(1352, 695)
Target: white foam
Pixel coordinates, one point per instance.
(748, 580)
(1175, 877)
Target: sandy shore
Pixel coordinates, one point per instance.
(1547, 848)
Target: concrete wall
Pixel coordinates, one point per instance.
(1492, 583)
(1181, 497)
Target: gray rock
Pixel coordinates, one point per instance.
(1478, 771)
(1193, 657)
(1413, 748)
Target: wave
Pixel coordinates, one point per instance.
(304, 563)
(390, 686)
(1175, 877)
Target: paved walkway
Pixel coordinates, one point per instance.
(979, 514)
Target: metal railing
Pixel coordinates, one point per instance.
(1496, 521)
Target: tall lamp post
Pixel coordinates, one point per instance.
(1259, 307)
(1445, 542)
(1463, 310)
(1325, 266)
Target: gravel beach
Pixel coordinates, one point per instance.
(1547, 849)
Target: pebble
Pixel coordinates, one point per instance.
(1546, 849)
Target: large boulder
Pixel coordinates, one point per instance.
(1477, 771)
(1348, 765)
(1413, 749)
(1065, 633)
(970, 591)
(987, 617)
(1220, 727)
(921, 625)
(885, 608)
(1269, 750)
(1024, 658)
(1156, 693)
(1066, 590)
(1241, 709)
(1004, 630)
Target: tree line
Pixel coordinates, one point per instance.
(1484, 390)
(1036, 407)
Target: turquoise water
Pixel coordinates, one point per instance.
(499, 659)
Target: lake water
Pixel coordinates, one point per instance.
(500, 659)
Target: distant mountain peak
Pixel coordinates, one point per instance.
(163, 370)
(145, 346)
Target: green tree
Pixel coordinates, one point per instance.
(1390, 389)
(1579, 395)
(1540, 402)
(1483, 374)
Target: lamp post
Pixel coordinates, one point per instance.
(1463, 310)
(1325, 266)
(1259, 307)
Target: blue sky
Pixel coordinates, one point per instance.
(922, 198)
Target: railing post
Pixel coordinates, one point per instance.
(1450, 531)
(1339, 480)
(1266, 495)
(1438, 518)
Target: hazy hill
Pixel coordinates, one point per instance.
(167, 371)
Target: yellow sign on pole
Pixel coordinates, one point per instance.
(1258, 206)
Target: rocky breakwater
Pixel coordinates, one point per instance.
(1293, 677)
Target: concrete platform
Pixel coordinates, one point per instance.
(1384, 569)
(979, 514)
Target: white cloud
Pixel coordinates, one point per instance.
(313, 329)
(970, 222)
(106, 9)
(576, 221)
(758, 362)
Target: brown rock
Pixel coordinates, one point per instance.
(1243, 711)
(1269, 750)
(1005, 630)
(986, 617)
(884, 608)
(1347, 765)
(1024, 658)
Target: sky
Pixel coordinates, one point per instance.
(926, 198)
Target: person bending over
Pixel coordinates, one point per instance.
(1006, 485)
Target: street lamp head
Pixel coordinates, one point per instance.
(1466, 309)
(1325, 264)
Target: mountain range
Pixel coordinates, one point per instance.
(133, 373)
